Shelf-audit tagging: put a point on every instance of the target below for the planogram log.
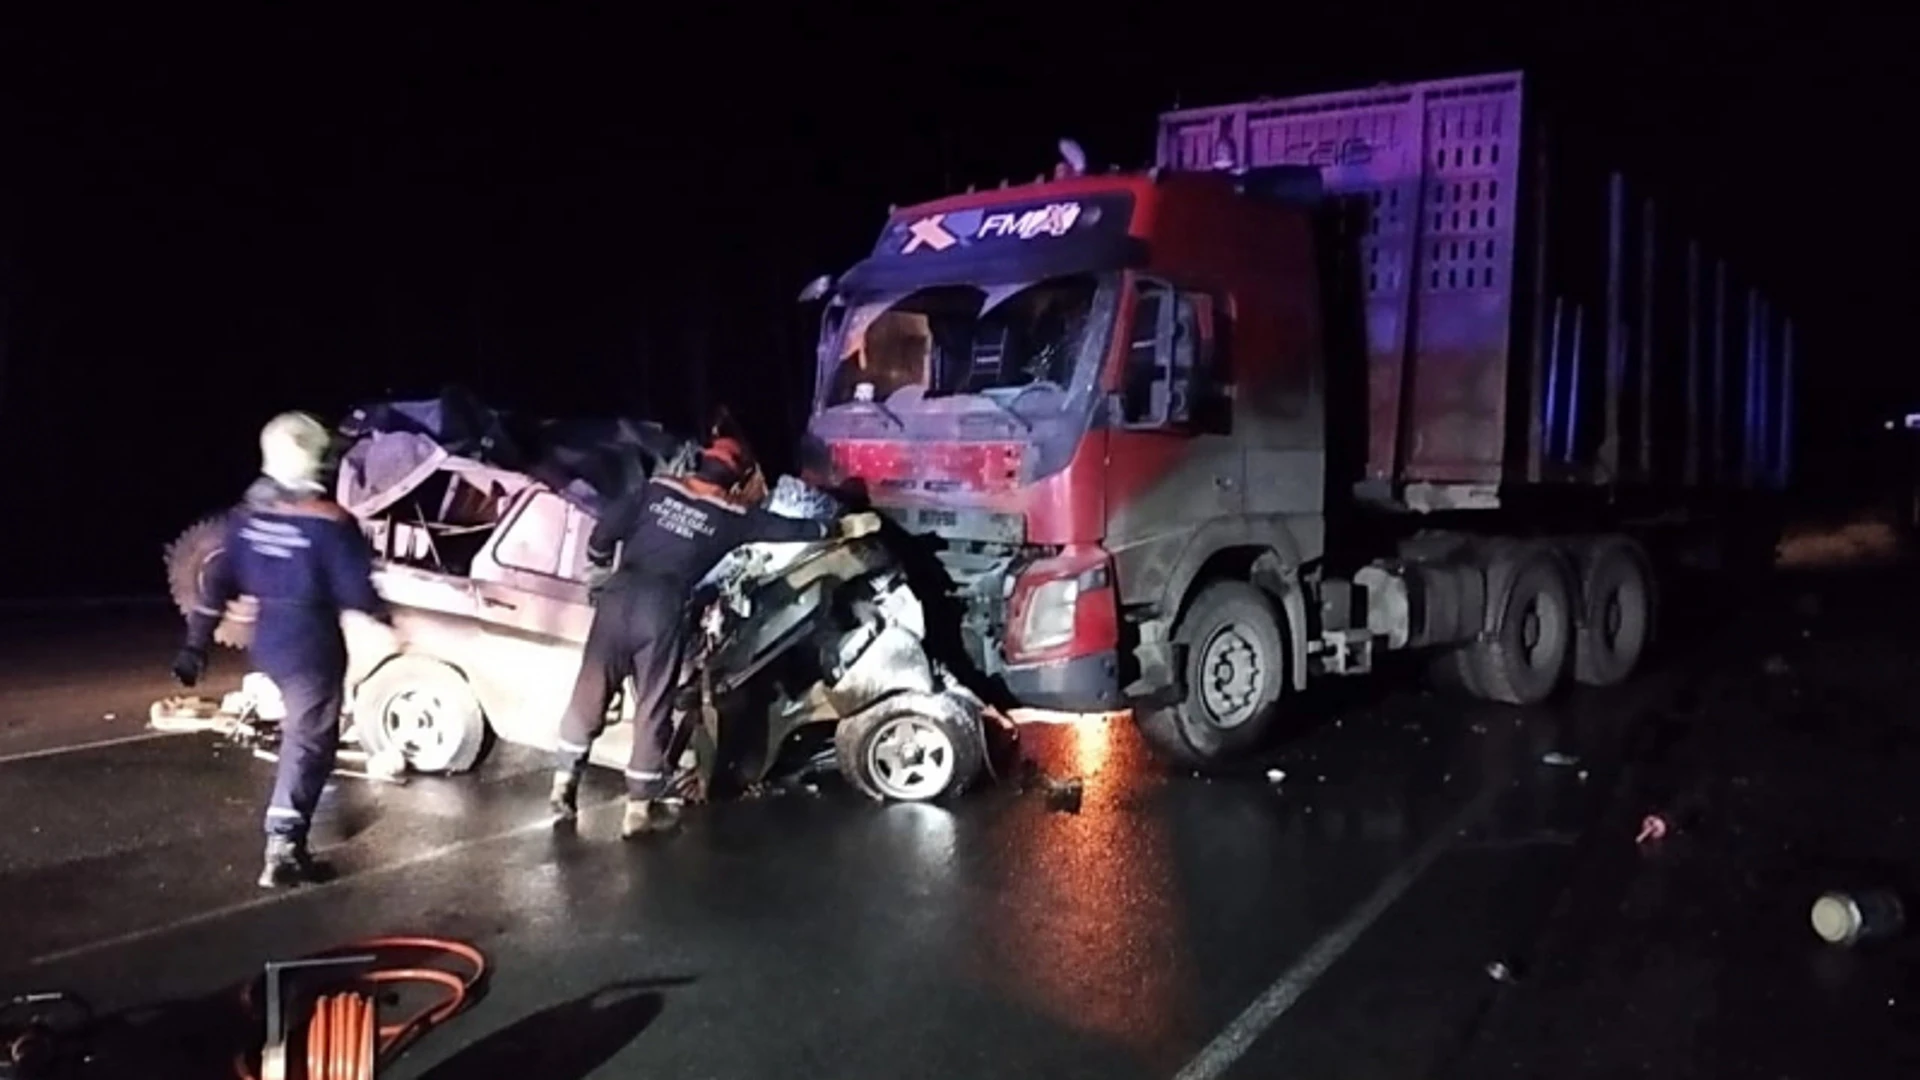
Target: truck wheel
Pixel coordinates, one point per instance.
(188, 559)
(425, 710)
(1234, 673)
(1617, 596)
(909, 750)
(1526, 661)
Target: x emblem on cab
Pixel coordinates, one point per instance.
(929, 232)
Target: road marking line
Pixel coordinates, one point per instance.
(1234, 1041)
(209, 915)
(29, 755)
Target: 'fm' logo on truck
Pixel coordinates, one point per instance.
(939, 232)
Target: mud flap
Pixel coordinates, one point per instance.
(1158, 682)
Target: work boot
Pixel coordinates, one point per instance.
(649, 815)
(564, 799)
(287, 864)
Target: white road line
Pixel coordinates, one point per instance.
(1234, 1041)
(29, 755)
(209, 915)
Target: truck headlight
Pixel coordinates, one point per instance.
(1050, 614)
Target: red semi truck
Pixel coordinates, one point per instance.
(1340, 375)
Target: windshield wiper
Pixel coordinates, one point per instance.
(898, 424)
(1024, 423)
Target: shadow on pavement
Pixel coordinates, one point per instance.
(566, 1041)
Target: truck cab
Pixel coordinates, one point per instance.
(1320, 385)
(1079, 392)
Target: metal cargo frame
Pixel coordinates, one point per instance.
(1518, 331)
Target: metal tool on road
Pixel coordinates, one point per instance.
(322, 1014)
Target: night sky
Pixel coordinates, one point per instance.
(204, 222)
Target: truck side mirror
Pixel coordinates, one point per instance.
(1195, 365)
(816, 289)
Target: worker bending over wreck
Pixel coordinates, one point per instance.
(304, 559)
(666, 538)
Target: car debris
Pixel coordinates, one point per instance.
(485, 570)
(1557, 758)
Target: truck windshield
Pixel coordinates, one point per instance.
(948, 340)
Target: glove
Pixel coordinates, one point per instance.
(188, 665)
(855, 526)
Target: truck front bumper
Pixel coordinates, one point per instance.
(1083, 684)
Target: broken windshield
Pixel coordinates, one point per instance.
(1003, 341)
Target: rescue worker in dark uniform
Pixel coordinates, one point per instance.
(666, 538)
(305, 560)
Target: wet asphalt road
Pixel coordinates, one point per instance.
(1336, 924)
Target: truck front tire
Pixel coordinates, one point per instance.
(1233, 674)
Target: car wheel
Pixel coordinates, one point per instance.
(423, 709)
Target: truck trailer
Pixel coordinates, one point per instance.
(1337, 376)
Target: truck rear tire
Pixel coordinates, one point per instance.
(1233, 675)
(1452, 671)
(1616, 594)
(425, 710)
(1525, 661)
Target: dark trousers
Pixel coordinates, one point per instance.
(638, 630)
(309, 743)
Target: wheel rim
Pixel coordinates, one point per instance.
(1232, 678)
(910, 758)
(414, 723)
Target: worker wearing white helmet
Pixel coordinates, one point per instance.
(304, 559)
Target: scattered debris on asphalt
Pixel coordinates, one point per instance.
(1499, 972)
(1776, 666)
(1557, 758)
(348, 757)
(1652, 827)
(1276, 776)
(1849, 918)
(1063, 796)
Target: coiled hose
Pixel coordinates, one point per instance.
(343, 1035)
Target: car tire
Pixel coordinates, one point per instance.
(1235, 624)
(424, 709)
(866, 749)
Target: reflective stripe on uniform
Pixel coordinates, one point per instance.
(688, 493)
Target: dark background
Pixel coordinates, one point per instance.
(206, 221)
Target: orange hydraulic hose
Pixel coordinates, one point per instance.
(346, 1041)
